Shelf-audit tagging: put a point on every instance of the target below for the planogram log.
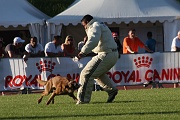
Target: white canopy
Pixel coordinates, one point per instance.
(120, 11)
(167, 12)
(21, 13)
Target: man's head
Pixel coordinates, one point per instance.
(149, 34)
(57, 40)
(33, 41)
(178, 35)
(18, 42)
(85, 20)
(115, 35)
(131, 33)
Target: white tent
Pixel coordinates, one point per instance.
(21, 13)
(163, 13)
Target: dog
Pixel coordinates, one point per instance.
(58, 86)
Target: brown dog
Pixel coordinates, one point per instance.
(58, 86)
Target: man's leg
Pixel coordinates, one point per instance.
(107, 84)
(98, 66)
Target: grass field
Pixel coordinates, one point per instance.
(141, 104)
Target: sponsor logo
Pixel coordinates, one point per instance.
(143, 61)
(45, 66)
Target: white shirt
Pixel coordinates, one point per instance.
(50, 47)
(35, 50)
(175, 43)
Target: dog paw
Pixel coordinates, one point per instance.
(39, 101)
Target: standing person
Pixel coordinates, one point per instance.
(150, 43)
(175, 47)
(116, 39)
(82, 43)
(68, 47)
(13, 50)
(132, 42)
(53, 49)
(100, 40)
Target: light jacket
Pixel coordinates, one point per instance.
(100, 38)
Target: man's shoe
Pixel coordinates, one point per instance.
(112, 96)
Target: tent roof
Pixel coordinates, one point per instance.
(19, 12)
(120, 11)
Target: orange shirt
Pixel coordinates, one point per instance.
(132, 43)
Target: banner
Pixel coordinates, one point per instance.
(130, 69)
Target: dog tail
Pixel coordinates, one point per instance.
(41, 82)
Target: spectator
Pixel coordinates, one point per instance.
(13, 50)
(119, 46)
(53, 49)
(132, 42)
(34, 49)
(82, 43)
(150, 43)
(68, 47)
(2, 51)
(175, 47)
(100, 40)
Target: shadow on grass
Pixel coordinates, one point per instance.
(86, 115)
(115, 102)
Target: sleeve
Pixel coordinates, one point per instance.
(140, 43)
(173, 45)
(125, 44)
(27, 48)
(94, 34)
(48, 47)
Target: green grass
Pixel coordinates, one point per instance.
(144, 104)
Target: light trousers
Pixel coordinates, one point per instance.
(96, 69)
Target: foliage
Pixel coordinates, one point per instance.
(142, 104)
(51, 7)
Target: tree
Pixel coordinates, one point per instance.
(51, 7)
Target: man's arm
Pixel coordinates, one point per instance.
(147, 49)
(128, 48)
(177, 49)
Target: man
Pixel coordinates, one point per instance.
(131, 43)
(53, 49)
(100, 41)
(175, 46)
(150, 43)
(34, 49)
(119, 46)
(13, 50)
